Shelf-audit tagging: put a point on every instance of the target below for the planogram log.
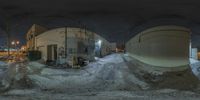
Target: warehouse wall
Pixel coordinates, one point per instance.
(70, 42)
(105, 48)
(80, 43)
(55, 37)
(163, 46)
(32, 33)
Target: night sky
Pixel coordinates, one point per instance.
(116, 20)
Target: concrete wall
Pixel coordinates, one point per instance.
(70, 42)
(74, 42)
(163, 46)
(105, 47)
(80, 43)
(32, 33)
(51, 37)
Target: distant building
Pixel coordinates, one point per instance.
(34, 31)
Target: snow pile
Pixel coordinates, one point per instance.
(3, 64)
(49, 71)
(115, 58)
(109, 73)
(192, 61)
(35, 67)
(195, 66)
(21, 92)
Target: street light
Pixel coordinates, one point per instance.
(99, 43)
(17, 42)
(13, 42)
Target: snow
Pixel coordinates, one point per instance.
(192, 61)
(105, 95)
(35, 67)
(21, 92)
(3, 63)
(109, 73)
(195, 66)
(108, 78)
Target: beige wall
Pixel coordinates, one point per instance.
(32, 33)
(79, 40)
(164, 46)
(106, 46)
(73, 40)
(51, 37)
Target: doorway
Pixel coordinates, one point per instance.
(52, 52)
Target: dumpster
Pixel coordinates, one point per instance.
(34, 55)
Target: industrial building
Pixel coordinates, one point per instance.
(62, 45)
(161, 46)
(32, 33)
(65, 43)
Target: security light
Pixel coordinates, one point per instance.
(99, 42)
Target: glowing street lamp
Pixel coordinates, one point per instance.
(13, 42)
(99, 42)
(17, 42)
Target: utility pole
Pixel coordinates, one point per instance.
(7, 30)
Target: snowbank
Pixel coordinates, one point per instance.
(35, 67)
(192, 61)
(109, 73)
(2, 64)
(195, 66)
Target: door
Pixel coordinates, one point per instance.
(52, 52)
(49, 52)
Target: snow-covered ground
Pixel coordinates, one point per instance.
(195, 66)
(109, 73)
(2, 63)
(192, 61)
(108, 78)
(163, 94)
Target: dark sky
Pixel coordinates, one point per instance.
(116, 20)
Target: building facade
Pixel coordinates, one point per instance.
(31, 34)
(162, 46)
(64, 43)
(103, 47)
